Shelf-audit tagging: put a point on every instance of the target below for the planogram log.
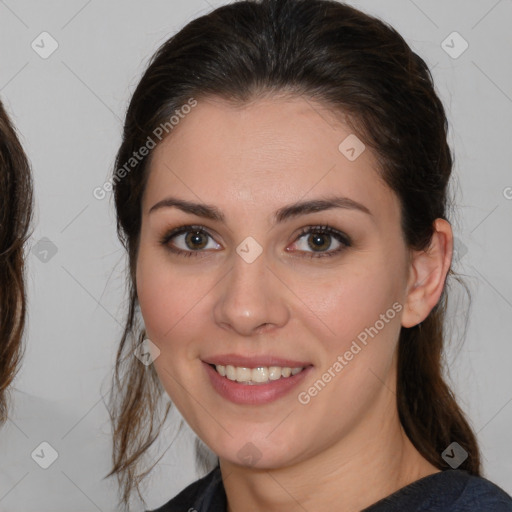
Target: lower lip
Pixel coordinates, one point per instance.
(254, 394)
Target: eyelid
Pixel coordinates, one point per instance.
(185, 228)
(316, 228)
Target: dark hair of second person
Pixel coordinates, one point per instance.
(15, 218)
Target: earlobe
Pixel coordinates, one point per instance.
(428, 274)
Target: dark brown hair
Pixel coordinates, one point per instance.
(357, 65)
(15, 218)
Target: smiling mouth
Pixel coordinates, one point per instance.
(254, 376)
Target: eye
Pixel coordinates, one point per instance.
(188, 240)
(322, 241)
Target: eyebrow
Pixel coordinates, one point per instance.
(283, 214)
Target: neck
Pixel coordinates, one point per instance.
(371, 462)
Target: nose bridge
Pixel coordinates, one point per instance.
(250, 296)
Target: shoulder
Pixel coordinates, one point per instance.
(481, 494)
(450, 490)
(207, 493)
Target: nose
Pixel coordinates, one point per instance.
(251, 298)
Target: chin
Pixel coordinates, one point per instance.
(248, 451)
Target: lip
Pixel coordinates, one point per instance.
(255, 361)
(256, 394)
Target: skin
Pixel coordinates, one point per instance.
(250, 161)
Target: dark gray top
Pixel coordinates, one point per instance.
(450, 490)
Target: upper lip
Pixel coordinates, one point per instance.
(254, 361)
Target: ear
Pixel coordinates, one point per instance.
(428, 274)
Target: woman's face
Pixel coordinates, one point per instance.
(255, 288)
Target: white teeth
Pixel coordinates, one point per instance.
(242, 374)
(230, 372)
(274, 372)
(258, 375)
(286, 372)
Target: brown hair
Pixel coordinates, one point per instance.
(15, 218)
(355, 64)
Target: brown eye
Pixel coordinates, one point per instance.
(196, 240)
(318, 241)
(189, 241)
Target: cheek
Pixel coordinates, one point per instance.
(161, 306)
(174, 304)
(359, 312)
(345, 302)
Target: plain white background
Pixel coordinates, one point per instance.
(69, 109)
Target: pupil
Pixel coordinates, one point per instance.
(319, 241)
(194, 238)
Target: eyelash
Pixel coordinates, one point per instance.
(326, 230)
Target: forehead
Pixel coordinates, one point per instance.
(267, 153)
